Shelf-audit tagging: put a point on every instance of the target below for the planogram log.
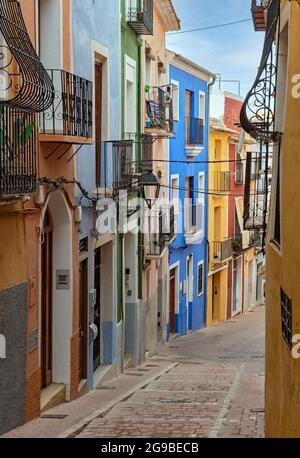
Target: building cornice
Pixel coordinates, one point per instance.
(168, 14)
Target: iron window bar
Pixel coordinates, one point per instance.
(258, 111)
(25, 84)
(71, 111)
(140, 18)
(18, 147)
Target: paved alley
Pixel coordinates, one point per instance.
(214, 389)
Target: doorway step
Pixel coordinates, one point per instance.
(105, 373)
(52, 396)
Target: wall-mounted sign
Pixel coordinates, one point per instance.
(2, 347)
(62, 279)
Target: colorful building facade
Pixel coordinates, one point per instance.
(281, 21)
(188, 193)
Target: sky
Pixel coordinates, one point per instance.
(232, 51)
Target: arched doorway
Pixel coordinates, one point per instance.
(56, 292)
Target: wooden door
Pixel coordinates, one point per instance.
(98, 119)
(82, 319)
(172, 303)
(46, 306)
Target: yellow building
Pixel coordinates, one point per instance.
(220, 246)
(282, 135)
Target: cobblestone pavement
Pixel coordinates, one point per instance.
(215, 390)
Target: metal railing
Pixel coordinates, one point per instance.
(221, 182)
(157, 237)
(222, 251)
(140, 18)
(18, 150)
(170, 235)
(71, 113)
(193, 218)
(116, 167)
(194, 131)
(159, 108)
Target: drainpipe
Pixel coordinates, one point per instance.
(209, 86)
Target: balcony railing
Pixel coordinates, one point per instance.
(117, 168)
(239, 173)
(221, 182)
(194, 131)
(18, 145)
(158, 235)
(193, 218)
(222, 251)
(25, 84)
(258, 111)
(71, 112)
(140, 18)
(159, 108)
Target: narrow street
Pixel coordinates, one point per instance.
(215, 389)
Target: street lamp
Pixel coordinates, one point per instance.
(148, 182)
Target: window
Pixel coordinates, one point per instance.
(176, 94)
(148, 70)
(174, 192)
(202, 106)
(201, 188)
(200, 278)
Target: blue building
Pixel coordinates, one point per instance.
(96, 57)
(188, 252)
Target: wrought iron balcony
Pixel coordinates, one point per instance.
(258, 111)
(221, 251)
(140, 18)
(159, 235)
(239, 173)
(159, 109)
(194, 131)
(18, 146)
(221, 183)
(257, 189)
(25, 83)
(117, 168)
(71, 112)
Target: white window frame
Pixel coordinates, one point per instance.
(200, 264)
(176, 196)
(176, 102)
(201, 197)
(190, 285)
(202, 106)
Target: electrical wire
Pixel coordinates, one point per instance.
(210, 192)
(225, 24)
